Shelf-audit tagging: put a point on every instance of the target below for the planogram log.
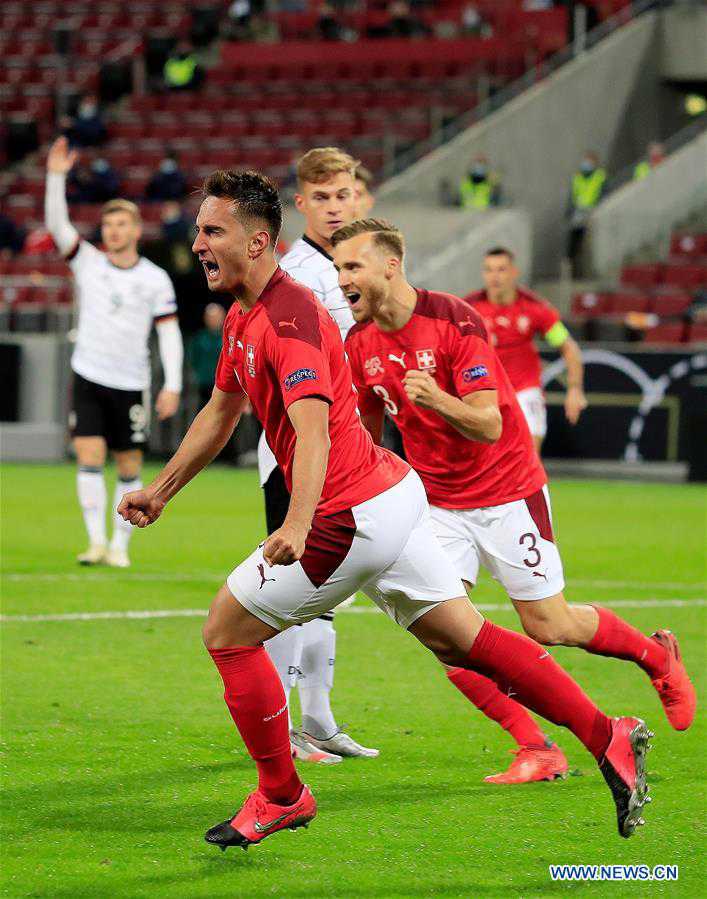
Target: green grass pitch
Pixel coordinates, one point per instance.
(118, 752)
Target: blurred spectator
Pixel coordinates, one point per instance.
(204, 350)
(246, 21)
(168, 182)
(364, 192)
(86, 129)
(97, 184)
(176, 227)
(403, 22)
(328, 24)
(205, 18)
(12, 237)
(656, 154)
(480, 187)
(182, 71)
(585, 193)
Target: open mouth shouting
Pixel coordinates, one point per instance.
(352, 297)
(211, 269)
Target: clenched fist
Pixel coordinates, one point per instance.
(285, 545)
(141, 507)
(422, 389)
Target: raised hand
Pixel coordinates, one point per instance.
(61, 159)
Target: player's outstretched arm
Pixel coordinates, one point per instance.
(575, 399)
(203, 441)
(60, 161)
(476, 416)
(310, 419)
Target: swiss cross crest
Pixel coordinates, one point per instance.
(373, 366)
(426, 360)
(231, 342)
(523, 323)
(250, 359)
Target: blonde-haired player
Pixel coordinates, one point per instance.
(326, 197)
(120, 295)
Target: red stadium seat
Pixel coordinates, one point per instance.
(688, 245)
(668, 303)
(646, 276)
(591, 304)
(666, 333)
(698, 333)
(687, 276)
(622, 302)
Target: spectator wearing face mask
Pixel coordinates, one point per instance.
(168, 182)
(586, 191)
(86, 129)
(479, 189)
(98, 184)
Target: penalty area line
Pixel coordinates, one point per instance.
(143, 614)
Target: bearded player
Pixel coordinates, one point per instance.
(358, 519)
(514, 316)
(424, 358)
(327, 197)
(120, 296)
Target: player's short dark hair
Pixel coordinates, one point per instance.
(501, 251)
(255, 197)
(385, 236)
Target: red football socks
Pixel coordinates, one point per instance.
(511, 715)
(256, 701)
(616, 638)
(522, 667)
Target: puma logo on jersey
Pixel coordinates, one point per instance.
(399, 359)
(264, 580)
(539, 574)
(289, 324)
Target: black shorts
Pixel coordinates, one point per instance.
(119, 416)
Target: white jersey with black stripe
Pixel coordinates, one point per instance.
(117, 308)
(311, 265)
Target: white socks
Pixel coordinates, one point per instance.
(122, 530)
(91, 489)
(285, 650)
(317, 678)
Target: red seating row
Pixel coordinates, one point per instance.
(676, 332)
(31, 293)
(648, 275)
(688, 245)
(592, 305)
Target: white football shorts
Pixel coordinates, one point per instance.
(514, 542)
(532, 402)
(385, 547)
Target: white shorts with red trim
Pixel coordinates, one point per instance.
(385, 547)
(514, 542)
(532, 403)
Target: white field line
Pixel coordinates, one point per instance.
(108, 577)
(361, 610)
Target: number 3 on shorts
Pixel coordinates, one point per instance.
(532, 548)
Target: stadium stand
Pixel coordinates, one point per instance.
(654, 300)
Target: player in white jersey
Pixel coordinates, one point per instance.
(120, 295)
(305, 655)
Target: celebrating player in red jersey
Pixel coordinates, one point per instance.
(358, 519)
(513, 316)
(424, 358)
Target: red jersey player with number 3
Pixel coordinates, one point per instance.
(358, 519)
(424, 358)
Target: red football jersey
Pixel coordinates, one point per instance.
(447, 339)
(285, 348)
(512, 329)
